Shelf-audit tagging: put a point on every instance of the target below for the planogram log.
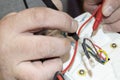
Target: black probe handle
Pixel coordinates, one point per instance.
(50, 4)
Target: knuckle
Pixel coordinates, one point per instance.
(12, 13)
(39, 14)
(66, 21)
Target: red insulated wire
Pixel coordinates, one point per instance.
(99, 17)
(73, 58)
(98, 47)
(59, 77)
(97, 22)
(76, 44)
(88, 19)
(100, 52)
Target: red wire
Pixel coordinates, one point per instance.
(76, 44)
(100, 52)
(59, 77)
(73, 58)
(99, 17)
(98, 47)
(88, 19)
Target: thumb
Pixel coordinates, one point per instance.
(110, 6)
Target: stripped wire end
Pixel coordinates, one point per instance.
(93, 33)
(91, 62)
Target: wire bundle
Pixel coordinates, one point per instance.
(90, 49)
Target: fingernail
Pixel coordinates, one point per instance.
(107, 11)
(74, 25)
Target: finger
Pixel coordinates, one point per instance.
(40, 47)
(89, 8)
(37, 70)
(10, 14)
(91, 5)
(55, 65)
(37, 18)
(110, 6)
(113, 18)
(112, 27)
(92, 2)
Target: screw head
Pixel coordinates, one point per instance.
(82, 72)
(114, 45)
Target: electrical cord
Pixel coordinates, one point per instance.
(76, 43)
(91, 50)
(99, 54)
(25, 3)
(100, 50)
(50, 4)
(86, 46)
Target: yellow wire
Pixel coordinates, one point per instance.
(105, 53)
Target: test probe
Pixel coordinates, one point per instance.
(50, 4)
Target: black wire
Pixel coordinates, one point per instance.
(25, 3)
(60, 74)
(91, 51)
(50, 4)
(97, 57)
(86, 39)
(85, 50)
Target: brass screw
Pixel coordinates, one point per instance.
(82, 72)
(114, 45)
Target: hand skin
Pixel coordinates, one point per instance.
(21, 50)
(110, 10)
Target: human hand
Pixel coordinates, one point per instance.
(25, 56)
(110, 10)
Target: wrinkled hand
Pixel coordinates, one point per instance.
(110, 10)
(23, 54)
